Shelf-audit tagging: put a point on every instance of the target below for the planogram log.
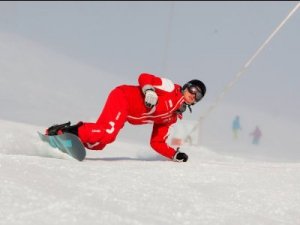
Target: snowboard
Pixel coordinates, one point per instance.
(66, 143)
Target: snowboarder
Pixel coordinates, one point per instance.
(256, 135)
(236, 127)
(155, 100)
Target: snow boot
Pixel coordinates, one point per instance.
(72, 129)
(63, 128)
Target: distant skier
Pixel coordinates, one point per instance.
(256, 135)
(236, 126)
(155, 100)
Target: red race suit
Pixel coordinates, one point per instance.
(126, 103)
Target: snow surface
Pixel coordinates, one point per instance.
(129, 183)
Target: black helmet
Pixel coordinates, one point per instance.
(200, 87)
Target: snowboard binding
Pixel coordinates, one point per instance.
(57, 129)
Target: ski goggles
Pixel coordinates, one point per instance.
(195, 90)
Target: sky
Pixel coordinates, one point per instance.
(59, 60)
(210, 41)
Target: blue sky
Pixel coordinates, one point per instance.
(210, 41)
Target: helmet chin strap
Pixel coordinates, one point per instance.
(190, 108)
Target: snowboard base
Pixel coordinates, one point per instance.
(66, 143)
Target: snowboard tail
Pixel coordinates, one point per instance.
(66, 143)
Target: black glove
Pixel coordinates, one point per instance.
(180, 156)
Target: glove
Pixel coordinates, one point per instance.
(150, 98)
(180, 156)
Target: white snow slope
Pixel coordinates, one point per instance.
(131, 184)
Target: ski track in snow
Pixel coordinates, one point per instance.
(129, 183)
